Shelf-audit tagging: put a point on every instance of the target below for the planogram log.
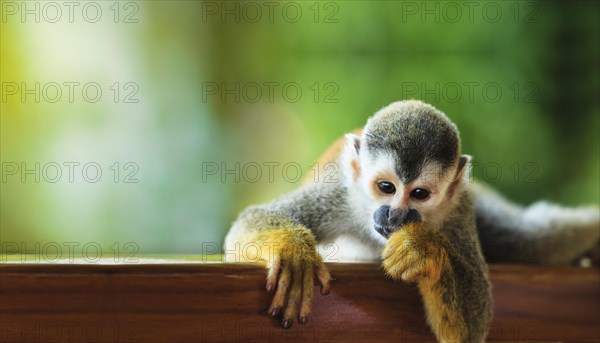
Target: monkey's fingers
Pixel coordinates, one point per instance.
(274, 269)
(394, 270)
(294, 298)
(397, 246)
(307, 295)
(413, 274)
(323, 276)
(282, 288)
(397, 259)
(394, 255)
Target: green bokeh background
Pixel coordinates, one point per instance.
(348, 58)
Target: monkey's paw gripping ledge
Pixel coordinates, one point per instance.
(154, 301)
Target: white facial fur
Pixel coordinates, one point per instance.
(381, 167)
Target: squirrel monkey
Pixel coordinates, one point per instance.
(402, 191)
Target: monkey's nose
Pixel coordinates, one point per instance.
(396, 217)
(388, 221)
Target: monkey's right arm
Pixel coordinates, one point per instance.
(286, 230)
(453, 282)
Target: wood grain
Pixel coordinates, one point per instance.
(227, 303)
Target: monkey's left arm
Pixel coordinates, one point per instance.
(453, 282)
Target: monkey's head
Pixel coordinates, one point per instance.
(408, 163)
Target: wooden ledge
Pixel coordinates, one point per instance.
(227, 303)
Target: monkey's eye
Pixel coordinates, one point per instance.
(386, 187)
(419, 194)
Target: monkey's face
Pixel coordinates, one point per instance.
(408, 162)
(396, 202)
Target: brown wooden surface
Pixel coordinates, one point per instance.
(225, 302)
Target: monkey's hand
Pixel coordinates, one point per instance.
(292, 263)
(418, 254)
(414, 253)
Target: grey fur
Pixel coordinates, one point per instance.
(469, 282)
(415, 133)
(542, 233)
(418, 133)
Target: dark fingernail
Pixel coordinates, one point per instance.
(275, 312)
(303, 320)
(286, 323)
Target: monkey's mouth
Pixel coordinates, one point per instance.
(385, 231)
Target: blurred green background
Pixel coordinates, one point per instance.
(190, 88)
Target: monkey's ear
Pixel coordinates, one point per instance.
(354, 141)
(463, 166)
(462, 173)
(349, 159)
